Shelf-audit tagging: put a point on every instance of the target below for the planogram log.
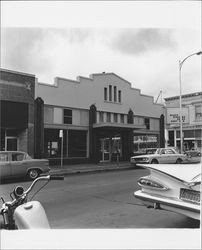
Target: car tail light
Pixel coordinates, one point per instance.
(144, 182)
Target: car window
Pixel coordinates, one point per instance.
(169, 151)
(151, 151)
(163, 151)
(17, 156)
(3, 157)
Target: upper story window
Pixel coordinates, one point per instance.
(101, 116)
(110, 93)
(108, 117)
(122, 118)
(105, 94)
(67, 116)
(147, 123)
(119, 95)
(198, 112)
(115, 117)
(115, 94)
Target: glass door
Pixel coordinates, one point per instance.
(105, 149)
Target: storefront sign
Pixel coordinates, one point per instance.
(173, 115)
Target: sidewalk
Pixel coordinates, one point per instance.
(89, 167)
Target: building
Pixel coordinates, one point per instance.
(191, 120)
(17, 92)
(98, 118)
(95, 118)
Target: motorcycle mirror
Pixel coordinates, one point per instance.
(18, 191)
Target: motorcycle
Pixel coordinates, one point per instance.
(19, 213)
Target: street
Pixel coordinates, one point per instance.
(100, 200)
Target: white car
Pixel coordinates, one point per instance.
(174, 188)
(20, 164)
(160, 155)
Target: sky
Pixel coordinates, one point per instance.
(141, 42)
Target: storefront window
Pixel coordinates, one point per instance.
(77, 141)
(143, 142)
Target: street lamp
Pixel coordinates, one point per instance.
(180, 67)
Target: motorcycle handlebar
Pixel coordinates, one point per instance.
(56, 177)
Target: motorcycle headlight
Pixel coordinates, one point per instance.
(146, 182)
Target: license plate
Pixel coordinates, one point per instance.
(190, 195)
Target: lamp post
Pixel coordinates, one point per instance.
(180, 68)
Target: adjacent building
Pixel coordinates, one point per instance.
(94, 118)
(191, 120)
(17, 93)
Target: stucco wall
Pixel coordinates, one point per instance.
(87, 91)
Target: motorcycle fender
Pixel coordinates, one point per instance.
(31, 215)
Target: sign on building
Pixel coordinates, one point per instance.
(173, 115)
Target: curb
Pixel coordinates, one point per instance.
(85, 171)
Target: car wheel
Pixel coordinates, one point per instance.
(33, 174)
(154, 162)
(179, 161)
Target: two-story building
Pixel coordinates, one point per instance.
(191, 120)
(94, 118)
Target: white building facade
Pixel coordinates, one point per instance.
(100, 117)
(191, 121)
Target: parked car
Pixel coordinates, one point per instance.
(193, 155)
(160, 155)
(172, 188)
(20, 164)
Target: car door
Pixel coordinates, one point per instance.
(18, 164)
(171, 156)
(5, 168)
(162, 156)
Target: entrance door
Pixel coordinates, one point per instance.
(11, 143)
(105, 149)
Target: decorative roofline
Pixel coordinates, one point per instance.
(183, 96)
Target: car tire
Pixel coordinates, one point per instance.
(179, 161)
(33, 174)
(154, 161)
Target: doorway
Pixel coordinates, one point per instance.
(105, 150)
(11, 144)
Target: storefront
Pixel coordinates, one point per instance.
(99, 117)
(17, 111)
(191, 121)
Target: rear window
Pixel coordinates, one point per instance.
(17, 156)
(3, 157)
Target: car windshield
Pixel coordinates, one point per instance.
(151, 151)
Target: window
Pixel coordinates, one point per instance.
(115, 94)
(147, 123)
(198, 112)
(17, 157)
(3, 157)
(110, 93)
(119, 95)
(101, 116)
(105, 94)
(122, 118)
(115, 117)
(67, 116)
(108, 117)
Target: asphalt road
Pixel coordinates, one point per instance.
(100, 200)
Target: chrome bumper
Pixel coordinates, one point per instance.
(178, 206)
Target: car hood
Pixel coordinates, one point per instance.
(184, 172)
(143, 156)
